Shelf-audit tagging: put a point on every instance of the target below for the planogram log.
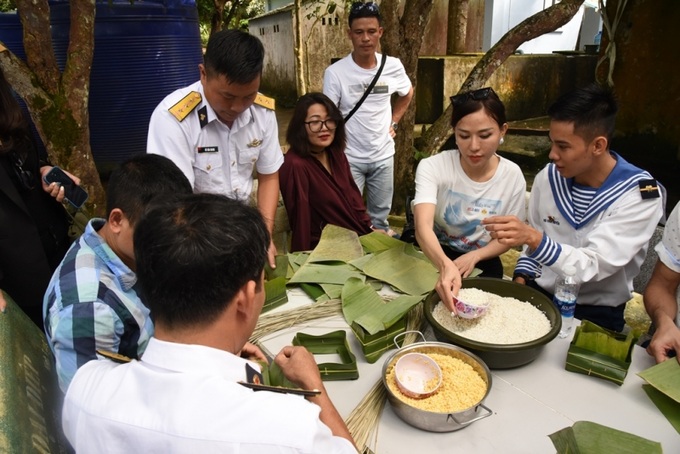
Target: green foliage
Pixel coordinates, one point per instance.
(236, 11)
(7, 6)
(322, 8)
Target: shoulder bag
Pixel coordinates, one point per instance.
(368, 90)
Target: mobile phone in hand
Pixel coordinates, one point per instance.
(74, 194)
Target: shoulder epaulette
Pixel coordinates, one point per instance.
(115, 357)
(265, 101)
(649, 189)
(185, 105)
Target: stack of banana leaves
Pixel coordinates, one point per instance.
(663, 388)
(378, 279)
(589, 437)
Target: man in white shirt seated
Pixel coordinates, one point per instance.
(200, 261)
(662, 295)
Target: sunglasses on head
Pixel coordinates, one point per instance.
(368, 6)
(476, 95)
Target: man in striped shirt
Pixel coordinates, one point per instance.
(92, 302)
(589, 208)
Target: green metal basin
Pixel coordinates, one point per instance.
(500, 356)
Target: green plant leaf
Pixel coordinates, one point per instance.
(403, 271)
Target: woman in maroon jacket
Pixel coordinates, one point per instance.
(316, 183)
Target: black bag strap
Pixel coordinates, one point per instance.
(368, 90)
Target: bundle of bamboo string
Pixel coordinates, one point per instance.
(271, 323)
(363, 421)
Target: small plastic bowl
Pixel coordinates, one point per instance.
(417, 375)
(470, 311)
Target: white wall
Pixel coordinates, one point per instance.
(270, 5)
(502, 15)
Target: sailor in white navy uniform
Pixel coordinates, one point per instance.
(219, 129)
(589, 208)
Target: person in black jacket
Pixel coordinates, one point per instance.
(33, 223)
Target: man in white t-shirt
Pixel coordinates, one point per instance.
(204, 285)
(370, 130)
(662, 295)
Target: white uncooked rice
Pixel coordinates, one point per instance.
(507, 321)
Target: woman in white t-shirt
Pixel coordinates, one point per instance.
(456, 189)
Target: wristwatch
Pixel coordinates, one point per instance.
(395, 125)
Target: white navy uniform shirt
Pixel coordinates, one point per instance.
(183, 398)
(214, 157)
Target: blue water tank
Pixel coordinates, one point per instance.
(143, 51)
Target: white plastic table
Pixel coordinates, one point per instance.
(528, 403)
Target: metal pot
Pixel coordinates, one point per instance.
(432, 421)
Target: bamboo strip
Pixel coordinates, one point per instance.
(271, 323)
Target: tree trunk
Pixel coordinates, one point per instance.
(403, 39)
(58, 103)
(540, 23)
(456, 33)
(300, 49)
(235, 5)
(217, 18)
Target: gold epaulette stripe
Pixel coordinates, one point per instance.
(185, 105)
(116, 357)
(265, 101)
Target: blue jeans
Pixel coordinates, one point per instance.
(378, 178)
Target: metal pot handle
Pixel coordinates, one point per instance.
(404, 334)
(465, 423)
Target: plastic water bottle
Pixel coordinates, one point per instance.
(566, 290)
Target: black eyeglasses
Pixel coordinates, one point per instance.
(316, 125)
(368, 6)
(477, 95)
(25, 177)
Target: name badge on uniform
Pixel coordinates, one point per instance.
(649, 189)
(208, 149)
(255, 143)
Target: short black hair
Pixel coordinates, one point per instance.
(139, 180)
(194, 253)
(359, 10)
(234, 54)
(297, 136)
(592, 109)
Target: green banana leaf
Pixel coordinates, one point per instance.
(336, 244)
(332, 290)
(589, 437)
(376, 242)
(364, 306)
(361, 261)
(374, 345)
(601, 353)
(272, 375)
(667, 406)
(297, 259)
(405, 272)
(663, 389)
(332, 342)
(665, 377)
(275, 293)
(281, 269)
(314, 291)
(318, 273)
